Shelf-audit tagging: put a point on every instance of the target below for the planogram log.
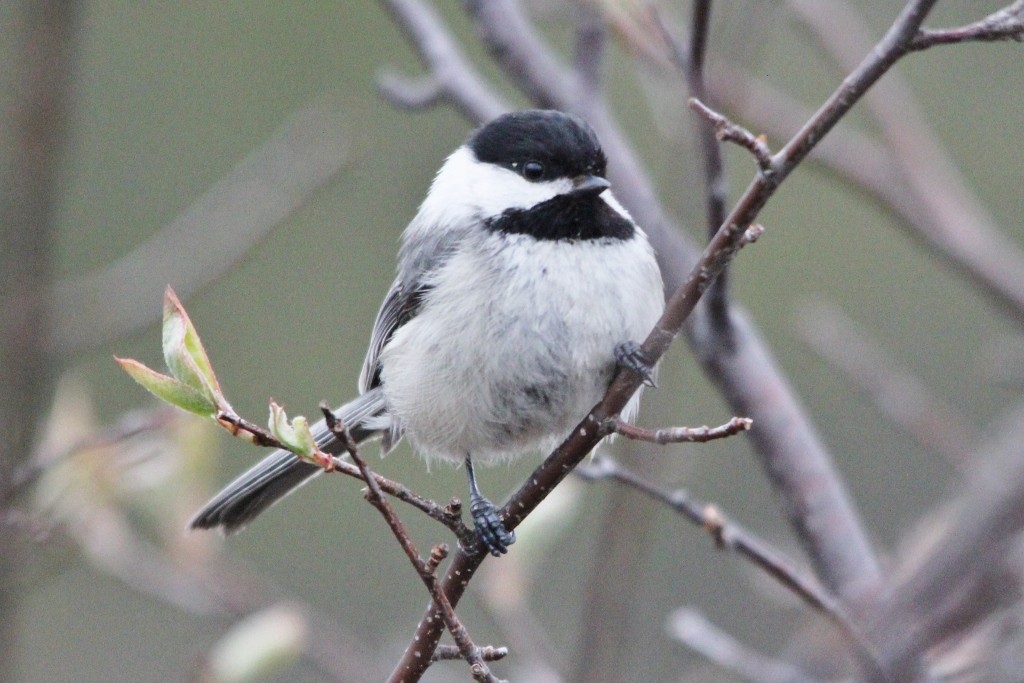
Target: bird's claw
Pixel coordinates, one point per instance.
(629, 355)
(489, 527)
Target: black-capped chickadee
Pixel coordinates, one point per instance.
(522, 284)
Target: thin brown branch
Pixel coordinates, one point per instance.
(731, 132)
(893, 45)
(917, 197)
(680, 434)
(791, 451)
(727, 535)
(425, 568)
(816, 498)
(1005, 24)
(692, 629)
(238, 426)
(709, 135)
(448, 515)
(438, 554)
(488, 653)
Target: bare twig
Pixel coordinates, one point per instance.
(449, 515)
(727, 535)
(469, 651)
(732, 132)
(692, 629)
(438, 554)
(715, 181)
(680, 434)
(1005, 24)
(893, 45)
(691, 63)
(843, 558)
(488, 653)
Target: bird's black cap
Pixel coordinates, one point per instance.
(564, 144)
(544, 145)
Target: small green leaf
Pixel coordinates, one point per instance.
(184, 353)
(168, 389)
(295, 435)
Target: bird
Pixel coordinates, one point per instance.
(522, 285)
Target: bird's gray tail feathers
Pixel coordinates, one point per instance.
(282, 472)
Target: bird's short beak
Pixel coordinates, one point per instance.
(589, 185)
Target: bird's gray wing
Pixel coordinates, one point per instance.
(423, 252)
(400, 305)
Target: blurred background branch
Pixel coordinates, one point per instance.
(42, 36)
(206, 240)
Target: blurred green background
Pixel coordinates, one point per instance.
(168, 97)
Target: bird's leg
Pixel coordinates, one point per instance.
(489, 527)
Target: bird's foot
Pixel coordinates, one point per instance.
(489, 527)
(628, 355)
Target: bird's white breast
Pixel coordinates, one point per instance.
(515, 341)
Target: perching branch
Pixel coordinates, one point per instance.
(425, 568)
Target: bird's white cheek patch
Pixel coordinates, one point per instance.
(485, 190)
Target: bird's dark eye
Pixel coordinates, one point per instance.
(533, 170)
